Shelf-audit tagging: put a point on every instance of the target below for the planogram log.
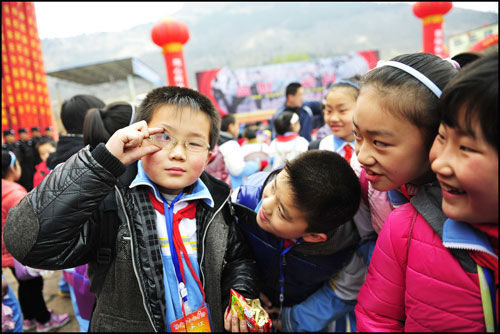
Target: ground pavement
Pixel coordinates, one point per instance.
(54, 301)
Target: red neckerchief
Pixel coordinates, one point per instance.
(486, 260)
(348, 152)
(288, 137)
(404, 191)
(288, 242)
(156, 203)
(187, 212)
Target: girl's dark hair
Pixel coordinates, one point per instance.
(282, 122)
(406, 97)
(100, 124)
(180, 97)
(6, 160)
(352, 83)
(250, 131)
(325, 187)
(73, 111)
(475, 90)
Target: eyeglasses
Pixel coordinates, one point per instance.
(164, 140)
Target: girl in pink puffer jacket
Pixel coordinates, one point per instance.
(424, 272)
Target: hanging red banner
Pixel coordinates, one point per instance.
(26, 102)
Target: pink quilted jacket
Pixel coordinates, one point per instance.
(419, 287)
(12, 193)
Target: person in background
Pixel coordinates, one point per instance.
(26, 159)
(464, 157)
(288, 144)
(12, 317)
(217, 167)
(233, 155)
(36, 135)
(253, 148)
(49, 132)
(339, 108)
(45, 147)
(30, 292)
(10, 143)
(73, 113)
(310, 113)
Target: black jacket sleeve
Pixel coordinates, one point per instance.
(56, 225)
(240, 271)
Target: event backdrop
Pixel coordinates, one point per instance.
(25, 96)
(252, 89)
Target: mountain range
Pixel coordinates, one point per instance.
(247, 34)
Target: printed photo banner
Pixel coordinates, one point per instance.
(260, 88)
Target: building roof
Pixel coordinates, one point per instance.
(99, 73)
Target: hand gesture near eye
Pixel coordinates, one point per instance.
(128, 145)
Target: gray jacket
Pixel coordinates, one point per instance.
(57, 226)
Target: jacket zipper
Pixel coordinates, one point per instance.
(133, 259)
(203, 239)
(464, 246)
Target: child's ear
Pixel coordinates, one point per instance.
(314, 237)
(210, 153)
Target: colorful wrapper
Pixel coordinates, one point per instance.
(250, 310)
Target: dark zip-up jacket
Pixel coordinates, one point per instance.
(57, 226)
(307, 266)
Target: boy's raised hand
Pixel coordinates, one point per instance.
(127, 144)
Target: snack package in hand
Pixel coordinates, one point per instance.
(250, 309)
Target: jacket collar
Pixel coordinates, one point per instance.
(461, 235)
(199, 189)
(338, 143)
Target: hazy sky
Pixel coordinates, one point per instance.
(66, 19)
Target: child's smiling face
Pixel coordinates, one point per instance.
(278, 214)
(340, 103)
(390, 149)
(173, 169)
(467, 169)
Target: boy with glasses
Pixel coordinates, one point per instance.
(178, 249)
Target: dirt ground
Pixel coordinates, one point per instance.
(53, 300)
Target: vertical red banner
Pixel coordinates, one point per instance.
(176, 69)
(26, 101)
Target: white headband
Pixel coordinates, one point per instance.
(410, 70)
(12, 159)
(294, 119)
(133, 113)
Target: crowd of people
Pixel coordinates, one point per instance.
(375, 209)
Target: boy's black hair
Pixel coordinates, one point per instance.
(180, 97)
(250, 131)
(45, 140)
(226, 121)
(100, 124)
(325, 188)
(406, 97)
(474, 88)
(73, 111)
(6, 159)
(292, 88)
(282, 122)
